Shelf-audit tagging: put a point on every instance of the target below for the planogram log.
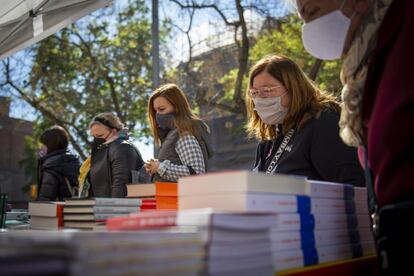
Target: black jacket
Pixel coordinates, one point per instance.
(111, 168)
(52, 171)
(315, 151)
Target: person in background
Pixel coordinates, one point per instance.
(182, 136)
(375, 40)
(297, 125)
(113, 157)
(58, 169)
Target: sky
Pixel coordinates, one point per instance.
(206, 24)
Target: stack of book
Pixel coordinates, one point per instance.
(166, 195)
(85, 213)
(46, 215)
(156, 252)
(145, 192)
(316, 221)
(237, 243)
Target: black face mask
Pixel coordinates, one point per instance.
(96, 143)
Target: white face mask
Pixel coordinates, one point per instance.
(270, 110)
(324, 37)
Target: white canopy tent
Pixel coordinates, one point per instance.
(25, 22)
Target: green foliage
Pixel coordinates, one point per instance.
(228, 84)
(287, 41)
(32, 146)
(103, 65)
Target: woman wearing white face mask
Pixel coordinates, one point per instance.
(297, 125)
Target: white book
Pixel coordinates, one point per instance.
(141, 190)
(360, 194)
(229, 265)
(242, 181)
(197, 217)
(231, 220)
(295, 258)
(103, 201)
(100, 209)
(341, 221)
(224, 236)
(46, 208)
(235, 250)
(303, 222)
(280, 203)
(45, 223)
(338, 206)
(341, 236)
(307, 239)
(248, 181)
(92, 217)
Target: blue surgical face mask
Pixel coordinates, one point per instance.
(165, 121)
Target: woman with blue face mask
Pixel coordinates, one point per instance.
(297, 125)
(182, 136)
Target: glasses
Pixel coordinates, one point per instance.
(263, 92)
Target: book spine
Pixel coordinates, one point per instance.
(338, 252)
(140, 221)
(292, 240)
(118, 201)
(323, 189)
(297, 258)
(338, 206)
(115, 209)
(339, 236)
(292, 222)
(278, 203)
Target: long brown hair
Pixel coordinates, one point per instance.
(307, 100)
(185, 120)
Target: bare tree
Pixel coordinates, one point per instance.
(233, 17)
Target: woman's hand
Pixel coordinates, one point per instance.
(151, 166)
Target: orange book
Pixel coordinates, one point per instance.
(167, 206)
(167, 199)
(166, 189)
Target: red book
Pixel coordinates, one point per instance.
(197, 217)
(144, 220)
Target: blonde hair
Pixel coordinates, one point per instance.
(306, 102)
(185, 120)
(108, 120)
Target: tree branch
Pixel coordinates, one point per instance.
(105, 73)
(38, 106)
(210, 6)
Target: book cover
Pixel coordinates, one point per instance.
(46, 209)
(100, 209)
(141, 190)
(169, 189)
(46, 223)
(242, 181)
(103, 201)
(249, 201)
(197, 217)
(338, 206)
